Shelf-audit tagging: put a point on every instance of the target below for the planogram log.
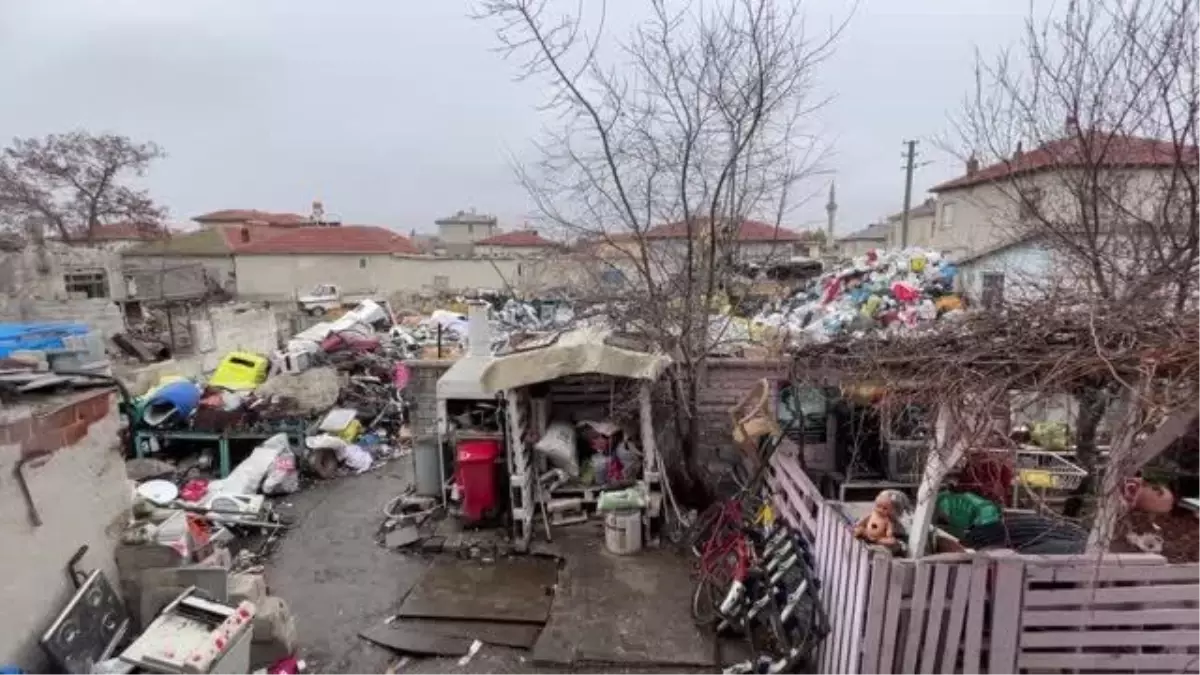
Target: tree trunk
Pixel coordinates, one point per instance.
(1093, 401)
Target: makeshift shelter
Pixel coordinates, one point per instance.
(997, 611)
(585, 376)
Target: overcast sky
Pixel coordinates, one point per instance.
(396, 112)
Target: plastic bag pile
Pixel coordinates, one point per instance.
(888, 292)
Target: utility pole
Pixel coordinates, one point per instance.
(910, 160)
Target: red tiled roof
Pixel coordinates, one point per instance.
(339, 239)
(1105, 150)
(749, 231)
(245, 215)
(518, 238)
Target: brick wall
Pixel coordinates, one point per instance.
(421, 394)
(82, 496)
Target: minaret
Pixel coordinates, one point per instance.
(831, 211)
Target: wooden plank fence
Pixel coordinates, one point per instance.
(989, 612)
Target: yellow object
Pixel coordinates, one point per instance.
(918, 263)
(351, 431)
(766, 516)
(948, 302)
(1038, 479)
(239, 371)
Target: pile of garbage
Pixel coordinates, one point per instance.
(445, 330)
(881, 293)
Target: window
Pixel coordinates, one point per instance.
(87, 283)
(362, 263)
(992, 290)
(441, 282)
(1030, 203)
(470, 228)
(947, 216)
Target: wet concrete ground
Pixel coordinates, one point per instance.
(338, 581)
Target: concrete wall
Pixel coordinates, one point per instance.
(82, 496)
(852, 248)
(22, 272)
(452, 232)
(219, 268)
(1027, 268)
(510, 251)
(100, 314)
(278, 277)
(286, 276)
(920, 232)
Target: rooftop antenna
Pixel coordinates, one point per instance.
(318, 213)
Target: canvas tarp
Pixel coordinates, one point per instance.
(585, 350)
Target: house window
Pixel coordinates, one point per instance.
(362, 263)
(441, 282)
(87, 283)
(1030, 203)
(992, 290)
(947, 216)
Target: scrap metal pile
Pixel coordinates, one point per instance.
(888, 293)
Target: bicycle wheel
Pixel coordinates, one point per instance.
(711, 585)
(701, 530)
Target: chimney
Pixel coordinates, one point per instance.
(1072, 126)
(972, 165)
(245, 235)
(478, 330)
(1018, 152)
(533, 232)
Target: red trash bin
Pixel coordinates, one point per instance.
(476, 477)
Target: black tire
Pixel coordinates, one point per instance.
(702, 529)
(705, 598)
(317, 311)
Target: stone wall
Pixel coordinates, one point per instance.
(82, 496)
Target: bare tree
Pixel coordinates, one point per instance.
(72, 183)
(1093, 123)
(700, 119)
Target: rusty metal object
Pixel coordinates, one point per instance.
(35, 518)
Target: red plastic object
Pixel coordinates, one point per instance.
(194, 490)
(476, 476)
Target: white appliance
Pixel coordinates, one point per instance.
(194, 635)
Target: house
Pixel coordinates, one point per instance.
(460, 232)
(211, 248)
(859, 242)
(920, 226)
(987, 206)
(1007, 271)
(752, 240)
(355, 257)
(520, 243)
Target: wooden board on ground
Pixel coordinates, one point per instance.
(521, 635)
(509, 589)
(415, 642)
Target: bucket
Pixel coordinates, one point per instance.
(623, 532)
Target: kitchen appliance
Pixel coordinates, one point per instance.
(194, 635)
(89, 628)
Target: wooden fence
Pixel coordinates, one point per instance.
(996, 612)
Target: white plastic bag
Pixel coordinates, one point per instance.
(283, 478)
(355, 458)
(246, 477)
(558, 445)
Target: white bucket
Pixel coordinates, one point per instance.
(623, 532)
